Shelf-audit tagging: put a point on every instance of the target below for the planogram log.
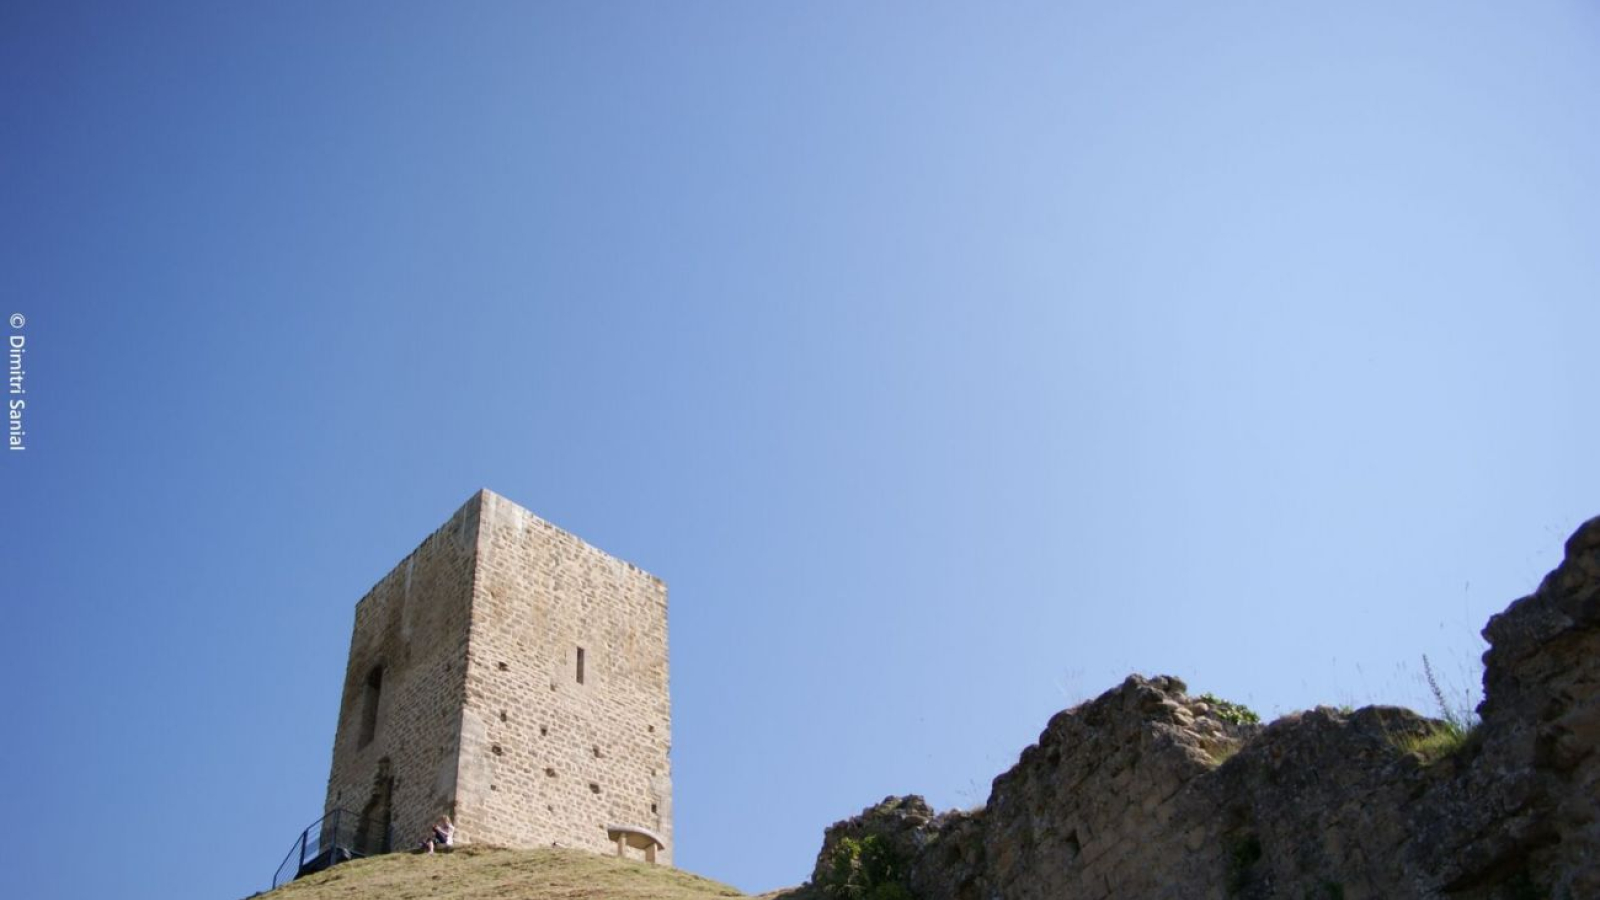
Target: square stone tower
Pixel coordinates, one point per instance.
(510, 675)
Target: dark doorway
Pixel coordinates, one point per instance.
(372, 832)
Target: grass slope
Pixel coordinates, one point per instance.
(486, 873)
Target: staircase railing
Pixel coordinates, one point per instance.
(338, 836)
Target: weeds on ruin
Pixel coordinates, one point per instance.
(1433, 746)
(1456, 728)
(1230, 712)
(1222, 751)
(1461, 720)
(866, 869)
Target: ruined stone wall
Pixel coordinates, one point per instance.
(1147, 792)
(412, 626)
(547, 760)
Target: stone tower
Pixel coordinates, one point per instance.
(514, 677)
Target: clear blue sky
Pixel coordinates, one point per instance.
(949, 363)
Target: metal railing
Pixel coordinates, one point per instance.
(336, 837)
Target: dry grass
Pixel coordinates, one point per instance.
(1222, 750)
(1444, 740)
(481, 873)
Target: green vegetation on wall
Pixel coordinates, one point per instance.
(866, 869)
(1228, 711)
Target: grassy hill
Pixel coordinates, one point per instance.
(485, 873)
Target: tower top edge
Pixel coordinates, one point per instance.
(491, 505)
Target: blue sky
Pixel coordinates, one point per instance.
(950, 362)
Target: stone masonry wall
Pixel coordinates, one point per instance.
(413, 626)
(1147, 792)
(547, 760)
(480, 713)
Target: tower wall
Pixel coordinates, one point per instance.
(547, 759)
(412, 626)
(480, 710)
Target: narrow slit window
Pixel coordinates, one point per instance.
(369, 706)
(580, 665)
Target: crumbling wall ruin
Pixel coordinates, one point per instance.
(1147, 792)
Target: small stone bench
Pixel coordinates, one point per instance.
(627, 836)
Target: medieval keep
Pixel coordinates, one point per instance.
(515, 678)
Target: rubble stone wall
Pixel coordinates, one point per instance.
(1148, 792)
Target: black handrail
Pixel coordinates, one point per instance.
(338, 836)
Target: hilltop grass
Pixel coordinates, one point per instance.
(486, 873)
